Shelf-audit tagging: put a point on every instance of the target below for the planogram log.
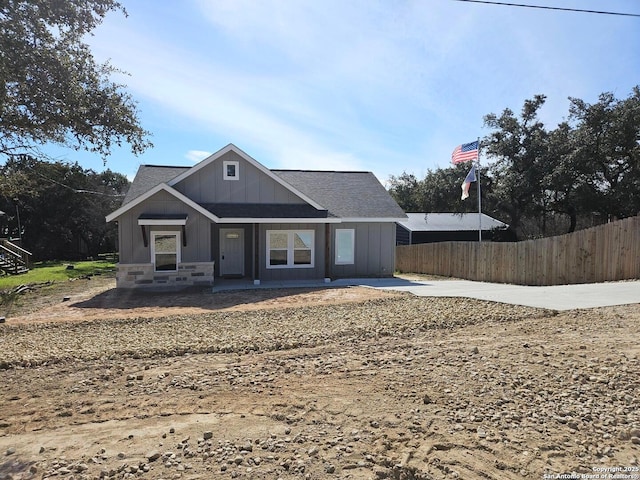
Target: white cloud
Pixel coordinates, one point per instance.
(196, 155)
(363, 85)
(268, 112)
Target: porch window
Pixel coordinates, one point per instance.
(165, 251)
(290, 248)
(345, 246)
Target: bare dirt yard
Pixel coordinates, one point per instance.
(331, 383)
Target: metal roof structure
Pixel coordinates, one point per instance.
(449, 222)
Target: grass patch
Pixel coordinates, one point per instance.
(44, 272)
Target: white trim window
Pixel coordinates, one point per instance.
(345, 246)
(290, 248)
(165, 251)
(230, 170)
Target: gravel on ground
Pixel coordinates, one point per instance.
(398, 387)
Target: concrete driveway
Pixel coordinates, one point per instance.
(560, 297)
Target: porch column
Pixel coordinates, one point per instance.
(256, 253)
(327, 250)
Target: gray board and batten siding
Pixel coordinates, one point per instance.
(252, 186)
(374, 250)
(197, 230)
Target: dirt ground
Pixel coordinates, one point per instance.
(512, 393)
(96, 298)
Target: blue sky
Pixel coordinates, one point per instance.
(384, 86)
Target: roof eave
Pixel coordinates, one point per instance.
(279, 220)
(372, 219)
(163, 186)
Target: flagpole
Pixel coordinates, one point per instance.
(479, 196)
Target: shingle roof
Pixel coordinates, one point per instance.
(148, 176)
(259, 210)
(449, 222)
(345, 194)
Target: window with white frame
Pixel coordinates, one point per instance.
(345, 246)
(165, 251)
(290, 248)
(230, 170)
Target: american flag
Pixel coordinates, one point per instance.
(465, 153)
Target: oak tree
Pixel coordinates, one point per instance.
(51, 87)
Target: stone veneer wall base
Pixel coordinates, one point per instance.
(142, 275)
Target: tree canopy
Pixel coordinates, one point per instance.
(545, 181)
(51, 87)
(56, 209)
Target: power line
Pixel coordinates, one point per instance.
(76, 190)
(542, 7)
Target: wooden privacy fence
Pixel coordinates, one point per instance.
(603, 253)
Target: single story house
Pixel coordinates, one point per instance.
(230, 216)
(449, 227)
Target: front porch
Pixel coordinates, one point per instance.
(270, 252)
(228, 284)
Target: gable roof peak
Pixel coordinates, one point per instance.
(249, 159)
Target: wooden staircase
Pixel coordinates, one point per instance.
(14, 260)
